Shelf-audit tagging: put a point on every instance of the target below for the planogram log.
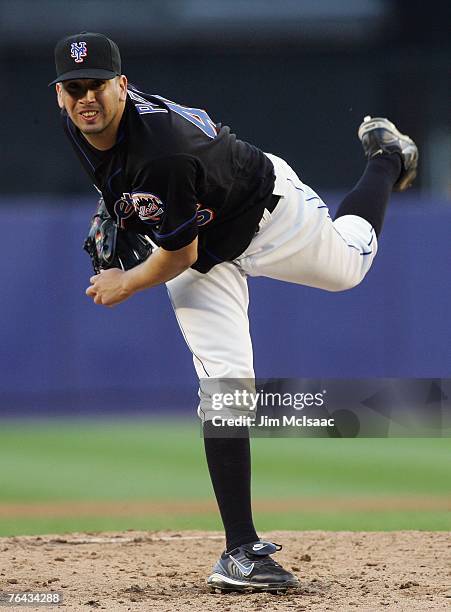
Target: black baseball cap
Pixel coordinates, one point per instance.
(87, 55)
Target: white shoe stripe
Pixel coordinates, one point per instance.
(221, 578)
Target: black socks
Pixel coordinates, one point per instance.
(229, 463)
(370, 196)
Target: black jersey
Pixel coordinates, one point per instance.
(173, 174)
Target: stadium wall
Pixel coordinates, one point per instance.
(63, 355)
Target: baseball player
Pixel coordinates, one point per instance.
(218, 210)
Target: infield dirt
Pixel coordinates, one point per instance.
(166, 571)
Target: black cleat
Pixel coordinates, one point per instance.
(250, 568)
(379, 135)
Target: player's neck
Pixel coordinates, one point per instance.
(107, 139)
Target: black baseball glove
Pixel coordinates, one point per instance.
(109, 246)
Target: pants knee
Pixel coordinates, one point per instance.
(344, 284)
(226, 397)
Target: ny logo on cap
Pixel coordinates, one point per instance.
(78, 51)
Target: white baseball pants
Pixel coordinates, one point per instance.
(299, 243)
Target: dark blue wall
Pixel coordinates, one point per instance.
(59, 352)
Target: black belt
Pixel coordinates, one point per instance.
(273, 203)
(270, 208)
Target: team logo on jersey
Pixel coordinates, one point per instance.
(123, 209)
(204, 215)
(78, 51)
(148, 206)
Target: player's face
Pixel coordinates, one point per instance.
(93, 105)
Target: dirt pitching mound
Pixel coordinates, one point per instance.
(166, 571)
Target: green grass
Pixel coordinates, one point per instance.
(353, 521)
(154, 460)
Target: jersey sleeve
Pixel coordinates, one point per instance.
(165, 199)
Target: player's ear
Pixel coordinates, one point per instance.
(122, 80)
(59, 95)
